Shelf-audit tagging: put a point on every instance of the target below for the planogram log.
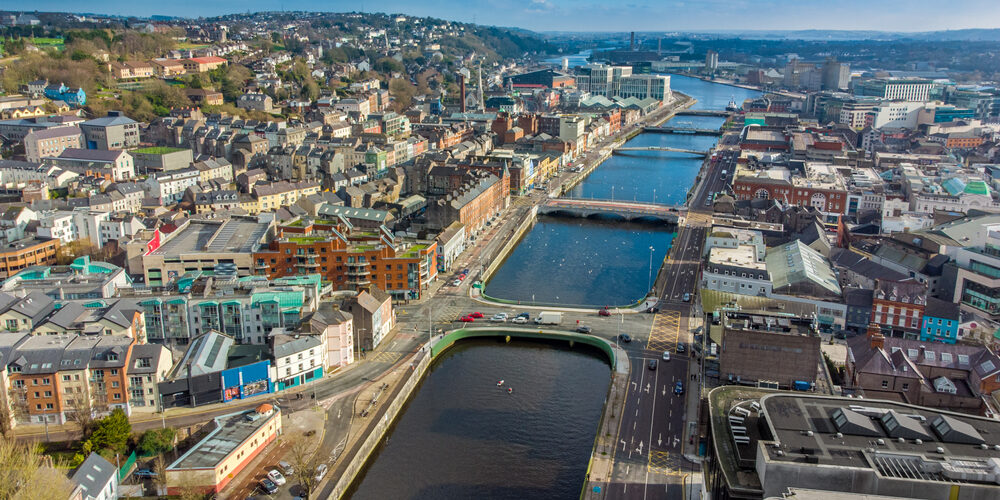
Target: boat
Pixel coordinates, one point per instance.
(499, 383)
(510, 390)
(732, 105)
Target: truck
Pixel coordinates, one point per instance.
(548, 318)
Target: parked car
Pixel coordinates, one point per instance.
(477, 315)
(268, 486)
(498, 318)
(276, 476)
(679, 388)
(465, 271)
(583, 329)
(687, 297)
(652, 364)
(520, 320)
(680, 347)
(144, 473)
(666, 355)
(456, 282)
(653, 309)
(604, 312)
(525, 315)
(625, 337)
(286, 468)
(320, 472)
(467, 319)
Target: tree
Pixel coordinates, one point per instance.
(157, 441)
(160, 479)
(25, 475)
(81, 412)
(112, 432)
(6, 415)
(306, 462)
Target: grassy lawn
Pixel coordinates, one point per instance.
(305, 240)
(157, 150)
(191, 46)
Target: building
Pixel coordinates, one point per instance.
(898, 307)
(20, 254)
(73, 96)
(836, 75)
(204, 245)
(817, 185)
(901, 89)
(941, 320)
(256, 102)
(202, 64)
(758, 346)
(96, 479)
(112, 164)
(764, 443)
(337, 325)
(298, 358)
(645, 87)
(51, 142)
(114, 131)
(373, 317)
(479, 198)
(954, 376)
(235, 440)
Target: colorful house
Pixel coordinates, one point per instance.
(941, 319)
(73, 96)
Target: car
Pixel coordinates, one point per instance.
(477, 315)
(604, 312)
(653, 309)
(679, 388)
(320, 472)
(498, 318)
(520, 320)
(268, 486)
(625, 337)
(652, 364)
(524, 315)
(467, 319)
(461, 277)
(456, 283)
(286, 468)
(276, 476)
(465, 271)
(583, 329)
(144, 473)
(687, 297)
(680, 347)
(666, 355)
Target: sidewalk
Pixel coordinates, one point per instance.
(603, 458)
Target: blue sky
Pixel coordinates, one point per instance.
(620, 15)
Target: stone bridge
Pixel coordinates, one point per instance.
(626, 210)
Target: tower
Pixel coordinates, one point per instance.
(482, 105)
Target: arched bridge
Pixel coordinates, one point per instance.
(627, 210)
(694, 152)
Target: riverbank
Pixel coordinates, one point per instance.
(722, 81)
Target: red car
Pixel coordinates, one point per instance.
(476, 315)
(467, 319)
(604, 312)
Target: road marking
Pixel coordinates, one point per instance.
(662, 462)
(664, 332)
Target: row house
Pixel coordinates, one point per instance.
(898, 307)
(818, 185)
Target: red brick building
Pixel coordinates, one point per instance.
(820, 187)
(898, 307)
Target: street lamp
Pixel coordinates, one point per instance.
(654, 195)
(649, 283)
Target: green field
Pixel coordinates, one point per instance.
(191, 46)
(159, 150)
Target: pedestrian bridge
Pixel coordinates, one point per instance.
(683, 130)
(702, 112)
(626, 210)
(694, 152)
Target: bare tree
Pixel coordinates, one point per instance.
(6, 416)
(81, 412)
(160, 477)
(306, 462)
(25, 476)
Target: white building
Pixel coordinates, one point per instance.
(69, 226)
(298, 359)
(645, 87)
(169, 187)
(900, 114)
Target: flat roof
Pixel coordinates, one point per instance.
(234, 235)
(231, 431)
(742, 256)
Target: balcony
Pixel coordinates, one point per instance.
(358, 272)
(358, 280)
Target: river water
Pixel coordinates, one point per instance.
(584, 262)
(461, 436)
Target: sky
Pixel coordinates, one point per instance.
(608, 15)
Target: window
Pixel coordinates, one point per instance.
(66, 378)
(45, 381)
(885, 384)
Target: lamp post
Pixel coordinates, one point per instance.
(654, 195)
(649, 282)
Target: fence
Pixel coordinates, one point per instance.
(126, 467)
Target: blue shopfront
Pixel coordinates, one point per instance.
(247, 381)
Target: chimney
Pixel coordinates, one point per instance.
(877, 341)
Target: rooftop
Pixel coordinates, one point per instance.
(742, 256)
(235, 235)
(231, 430)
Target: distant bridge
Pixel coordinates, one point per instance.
(628, 210)
(683, 130)
(702, 112)
(694, 152)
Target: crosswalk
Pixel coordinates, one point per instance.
(699, 219)
(663, 335)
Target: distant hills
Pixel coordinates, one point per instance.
(961, 35)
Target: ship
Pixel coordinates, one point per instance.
(732, 105)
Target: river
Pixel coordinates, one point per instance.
(595, 263)
(461, 436)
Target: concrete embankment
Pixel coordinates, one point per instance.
(512, 240)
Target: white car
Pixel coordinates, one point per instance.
(499, 318)
(276, 476)
(456, 282)
(520, 320)
(320, 472)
